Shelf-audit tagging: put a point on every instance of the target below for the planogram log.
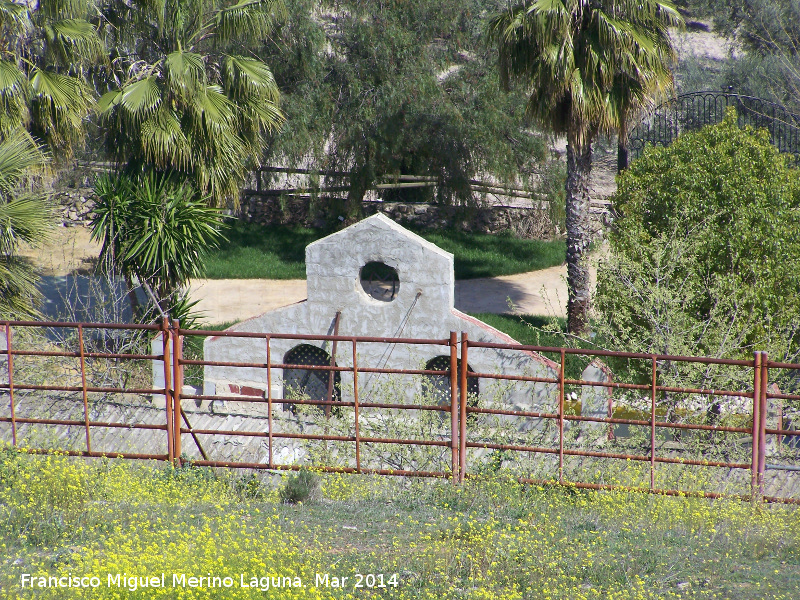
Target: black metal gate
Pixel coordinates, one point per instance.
(697, 109)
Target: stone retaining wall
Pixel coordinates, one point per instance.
(530, 223)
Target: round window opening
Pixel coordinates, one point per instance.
(380, 281)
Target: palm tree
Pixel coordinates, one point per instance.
(193, 99)
(46, 50)
(588, 64)
(22, 219)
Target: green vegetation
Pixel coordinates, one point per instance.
(278, 252)
(704, 255)
(22, 219)
(498, 539)
(409, 89)
(46, 50)
(187, 93)
(155, 231)
(588, 68)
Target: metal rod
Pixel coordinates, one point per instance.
(166, 338)
(332, 374)
(83, 385)
(756, 422)
(453, 406)
(462, 433)
(356, 408)
(653, 429)
(177, 378)
(10, 365)
(194, 436)
(269, 403)
(762, 436)
(561, 419)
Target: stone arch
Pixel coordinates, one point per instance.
(310, 383)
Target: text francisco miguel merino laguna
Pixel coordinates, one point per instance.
(182, 580)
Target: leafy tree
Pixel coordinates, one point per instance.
(587, 66)
(405, 89)
(192, 98)
(704, 257)
(154, 230)
(46, 49)
(22, 219)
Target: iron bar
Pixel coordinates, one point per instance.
(356, 407)
(269, 403)
(462, 427)
(561, 370)
(83, 385)
(10, 365)
(453, 406)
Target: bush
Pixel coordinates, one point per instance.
(705, 257)
(300, 487)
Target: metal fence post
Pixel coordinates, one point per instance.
(177, 377)
(462, 435)
(454, 462)
(166, 343)
(762, 428)
(561, 417)
(10, 365)
(754, 459)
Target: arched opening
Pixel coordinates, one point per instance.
(438, 386)
(310, 384)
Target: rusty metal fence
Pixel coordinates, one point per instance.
(462, 438)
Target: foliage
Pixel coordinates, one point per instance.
(22, 219)
(587, 66)
(704, 252)
(192, 99)
(300, 487)
(500, 539)
(156, 231)
(406, 89)
(46, 49)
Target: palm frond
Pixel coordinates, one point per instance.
(140, 99)
(59, 105)
(185, 73)
(27, 219)
(252, 18)
(249, 76)
(18, 153)
(163, 141)
(75, 41)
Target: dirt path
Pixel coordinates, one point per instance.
(70, 251)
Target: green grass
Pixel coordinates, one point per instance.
(278, 252)
(490, 538)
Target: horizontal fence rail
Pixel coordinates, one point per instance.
(99, 377)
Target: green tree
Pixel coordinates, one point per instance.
(704, 257)
(46, 50)
(22, 219)
(587, 66)
(406, 89)
(193, 100)
(154, 231)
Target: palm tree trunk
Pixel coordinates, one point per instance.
(579, 166)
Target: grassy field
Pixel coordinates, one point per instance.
(255, 252)
(489, 539)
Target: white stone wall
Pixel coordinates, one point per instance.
(423, 308)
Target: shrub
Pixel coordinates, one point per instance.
(300, 487)
(705, 257)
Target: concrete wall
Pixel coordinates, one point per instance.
(423, 308)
